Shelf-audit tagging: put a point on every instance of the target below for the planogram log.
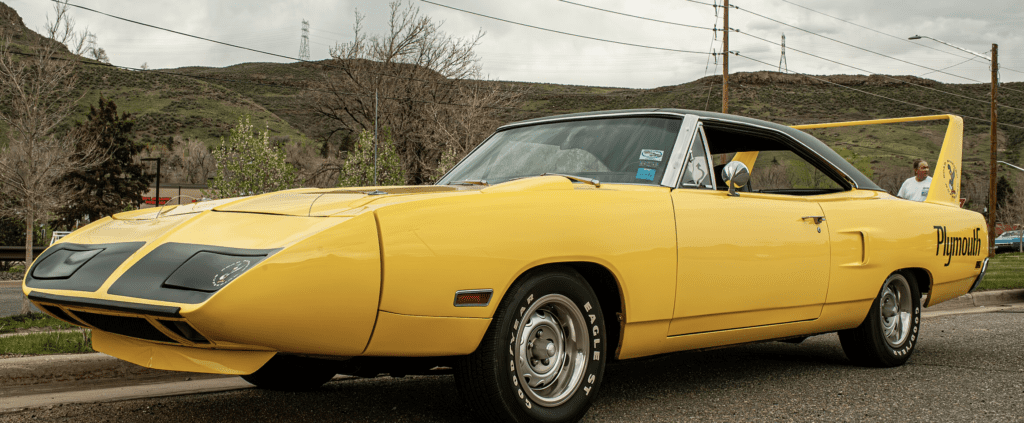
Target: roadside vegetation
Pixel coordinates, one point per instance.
(39, 321)
(38, 333)
(1005, 271)
(76, 342)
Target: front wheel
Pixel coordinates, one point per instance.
(888, 334)
(542, 359)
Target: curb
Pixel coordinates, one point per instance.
(53, 373)
(982, 299)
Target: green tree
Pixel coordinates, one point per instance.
(357, 169)
(1004, 191)
(248, 164)
(117, 182)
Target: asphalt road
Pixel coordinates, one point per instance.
(10, 298)
(968, 367)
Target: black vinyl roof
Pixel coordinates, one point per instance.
(734, 121)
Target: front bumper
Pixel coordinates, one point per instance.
(984, 266)
(155, 323)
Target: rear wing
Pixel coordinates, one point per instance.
(945, 188)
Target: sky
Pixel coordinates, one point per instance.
(873, 40)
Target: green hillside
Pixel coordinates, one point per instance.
(202, 103)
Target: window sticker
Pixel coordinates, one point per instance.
(645, 163)
(645, 173)
(654, 155)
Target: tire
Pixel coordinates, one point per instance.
(542, 359)
(291, 373)
(888, 335)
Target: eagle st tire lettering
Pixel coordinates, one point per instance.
(548, 351)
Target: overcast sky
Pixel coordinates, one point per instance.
(517, 53)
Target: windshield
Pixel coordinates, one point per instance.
(626, 150)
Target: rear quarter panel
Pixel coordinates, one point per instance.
(874, 234)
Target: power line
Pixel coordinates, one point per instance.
(879, 95)
(562, 32)
(283, 56)
(851, 45)
(872, 30)
(886, 34)
(641, 17)
(882, 75)
(711, 82)
(954, 66)
(210, 78)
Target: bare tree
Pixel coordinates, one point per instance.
(771, 175)
(39, 91)
(418, 81)
(314, 166)
(196, 161)
(890, 177)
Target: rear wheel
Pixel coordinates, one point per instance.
(542, 359)
(888, 334)
(291, 373)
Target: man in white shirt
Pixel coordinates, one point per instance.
(916, 188)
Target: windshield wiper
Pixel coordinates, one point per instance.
(469, 182)
(591, 181)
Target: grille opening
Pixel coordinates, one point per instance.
(128, 326)
(184, 330)
(60, 314)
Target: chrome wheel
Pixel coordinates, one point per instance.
(896, 307)
(551, 350)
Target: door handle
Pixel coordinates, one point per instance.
(817, 219)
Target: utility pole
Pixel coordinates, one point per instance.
(157, 160)
(992, 133)
(376, 102)
(992, 157)
(304, 43)
(783, 66)
(725, 59)
(725, 66)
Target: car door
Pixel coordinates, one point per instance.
(744, 261)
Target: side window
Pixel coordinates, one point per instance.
(696, 170)
(784, 172)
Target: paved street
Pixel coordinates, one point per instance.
(969, 367)
(10, 298)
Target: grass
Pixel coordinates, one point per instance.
(31, 320)
(48, 343)
(1005, 271)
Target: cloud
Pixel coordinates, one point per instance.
(515, 52)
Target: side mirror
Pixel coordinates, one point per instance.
(736, 175)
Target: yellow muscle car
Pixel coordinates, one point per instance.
(557, 245)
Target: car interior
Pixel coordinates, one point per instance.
(783, 165)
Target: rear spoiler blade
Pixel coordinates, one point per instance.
(945, 188)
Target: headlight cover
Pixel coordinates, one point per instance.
(63, 263)
(186, 273)
(208, 271)
(78, 267)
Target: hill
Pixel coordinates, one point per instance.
(201, 103)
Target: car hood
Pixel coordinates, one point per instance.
(330, 202)
(353, 201)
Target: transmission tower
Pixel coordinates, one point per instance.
(91, 44)
(783, 66)
(304, 44)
